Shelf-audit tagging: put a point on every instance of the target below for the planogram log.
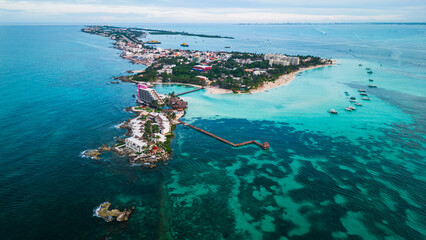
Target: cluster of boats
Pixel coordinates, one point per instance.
(352, 99)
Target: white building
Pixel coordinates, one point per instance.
(160, 138)
(135, 144)
(148, 95)
(281, 59)
(137, 126)
(162, 121)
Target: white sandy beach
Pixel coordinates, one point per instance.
(285, 79)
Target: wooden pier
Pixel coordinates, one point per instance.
(189, 91)
(265, 145)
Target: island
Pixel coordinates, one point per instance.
(156, 116)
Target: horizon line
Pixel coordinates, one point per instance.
(230, 23)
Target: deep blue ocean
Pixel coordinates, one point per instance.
(357, 175)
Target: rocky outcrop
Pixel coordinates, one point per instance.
(110, 215)
(104, 148)
(93, 154)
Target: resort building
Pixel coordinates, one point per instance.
(137, 127)
(162, 121)
(135, 144)
(148, 95)
(281, 59)
(178, 104)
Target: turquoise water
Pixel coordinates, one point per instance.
(357, 175)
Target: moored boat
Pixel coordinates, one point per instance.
(346, 93)
(370, 80)
(348, 109)
(366, 98)
(372, 86)
(370, 72)
(184, 45)
(361, 90)
(332, 111)
(363, 94)
(153, 42)
(358, 104)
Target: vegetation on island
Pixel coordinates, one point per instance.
(228, 74)
(165, 32)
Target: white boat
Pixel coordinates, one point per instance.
(332, 111)
(366, 98)
(358, 104)
(372, 86)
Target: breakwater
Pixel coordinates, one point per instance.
(265, 145)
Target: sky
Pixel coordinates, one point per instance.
(213, 11)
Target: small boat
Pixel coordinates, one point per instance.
(332, 111)
(346, 93)
(361, 90)
(348, 109)
(363, 94)
(370, 72)
(113, 82)
(227, 47)
(370, 80)
(366, 98)
(372, 86)
(360, 65)
(184, 45)
(351, 107)
(367, 68)
(353, 98)
(153, 42)
(358, 104)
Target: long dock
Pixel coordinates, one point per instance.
(265, 145)
(190, 91)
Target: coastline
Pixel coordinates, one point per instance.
(281, 81)
(287, 78)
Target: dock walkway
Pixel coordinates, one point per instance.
(190, 91)
(265, 145)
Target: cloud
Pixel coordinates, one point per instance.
(94, 11)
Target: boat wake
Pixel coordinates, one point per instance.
(117, 126)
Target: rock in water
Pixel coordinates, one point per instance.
(111, 215)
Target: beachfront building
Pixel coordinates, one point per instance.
(161, 120)
(148, 95)
(280, 59)
(135, 144)
(137, 126)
